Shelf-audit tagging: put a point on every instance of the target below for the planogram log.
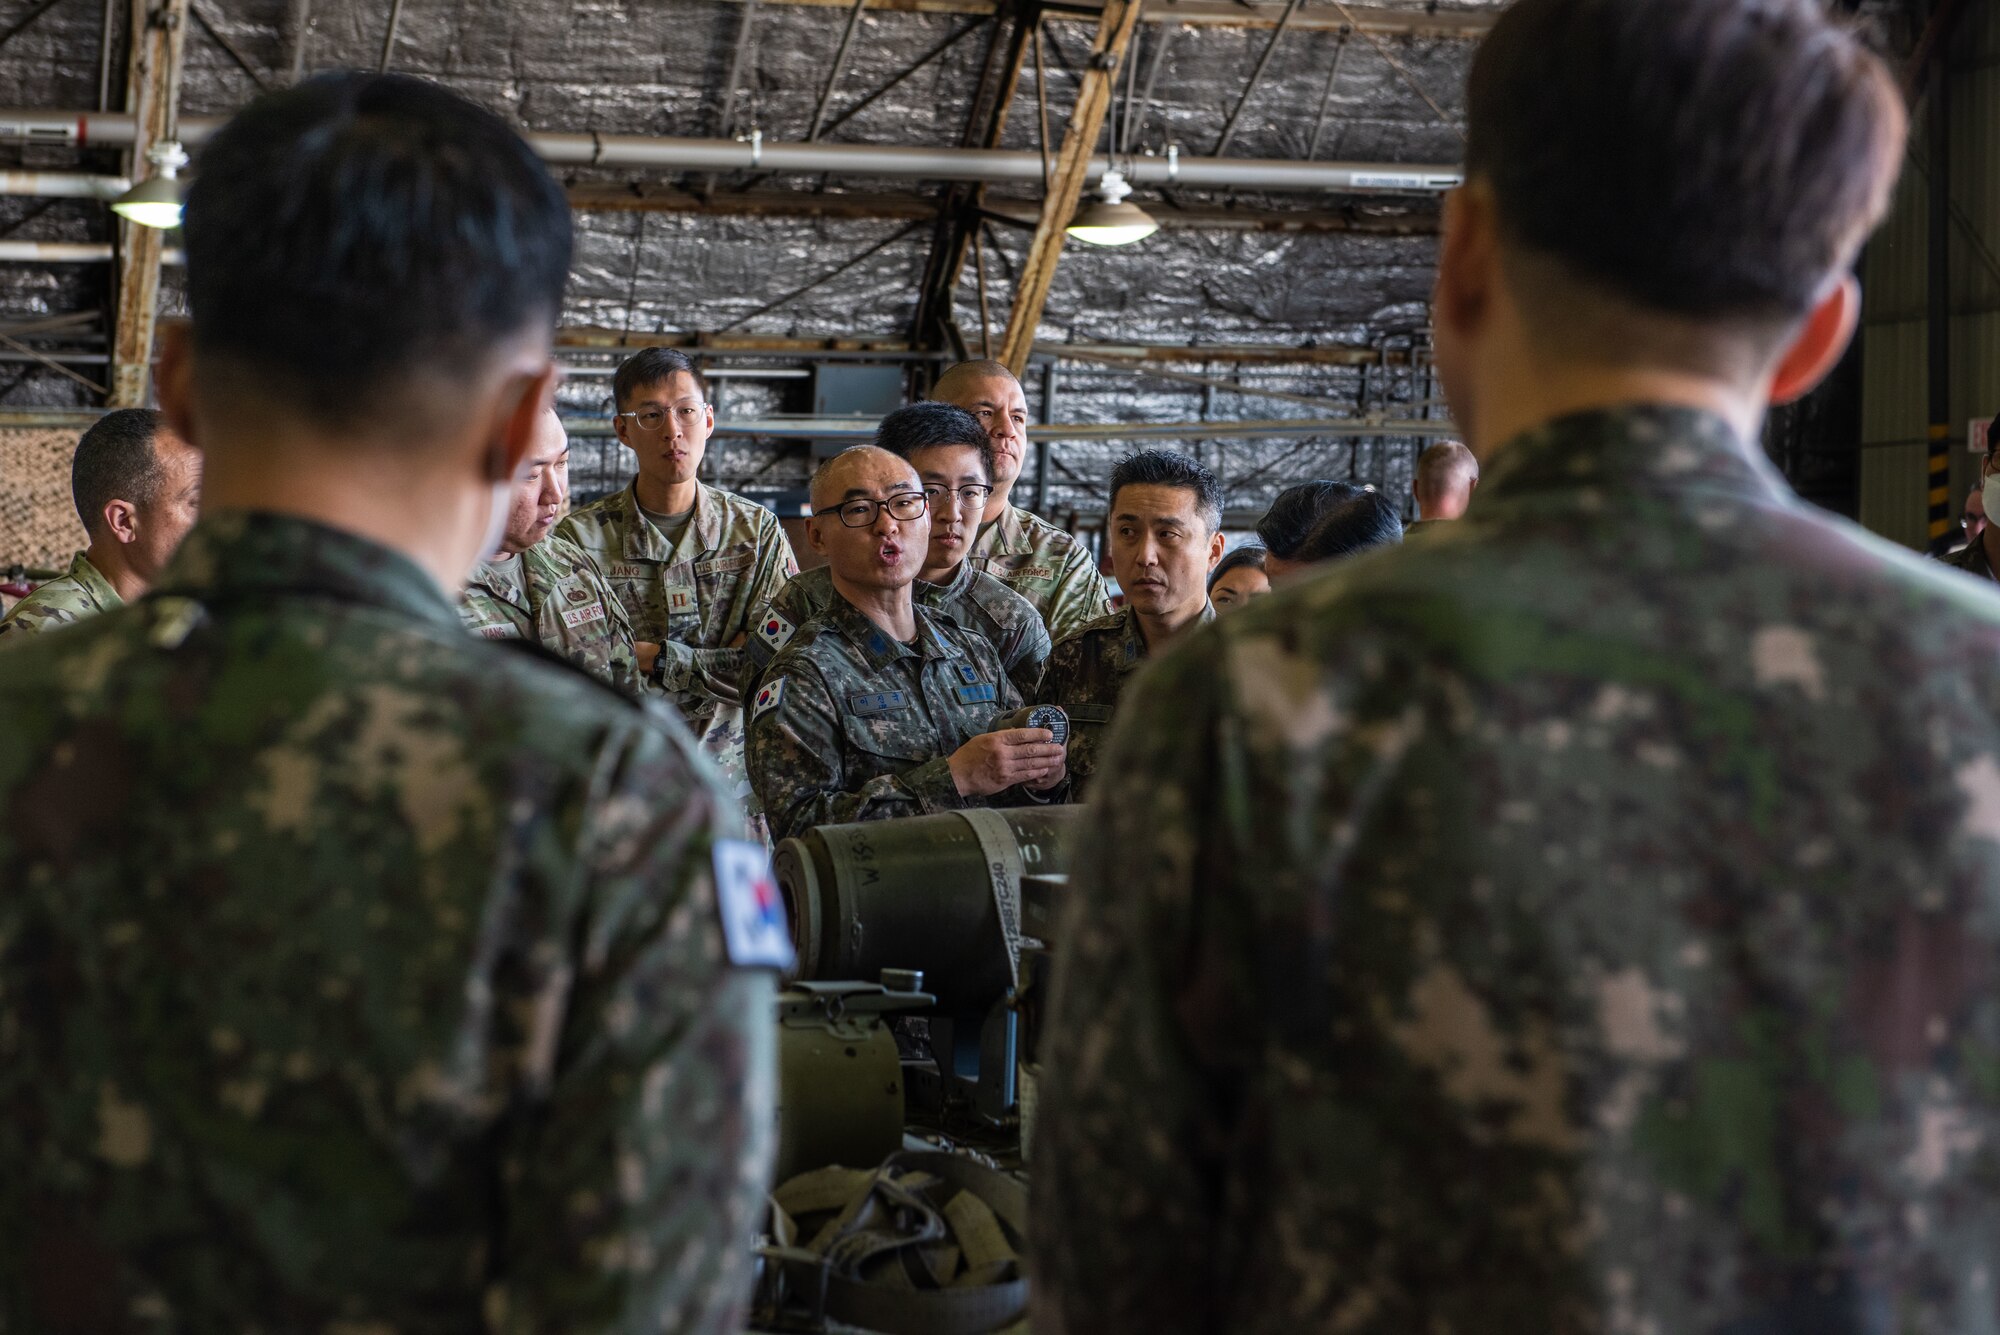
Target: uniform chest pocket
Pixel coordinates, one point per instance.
(894, 738)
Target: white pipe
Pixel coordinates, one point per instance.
(62, 185)
(81, 128)
(72, 252)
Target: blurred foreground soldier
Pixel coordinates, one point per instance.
(548, 591)
(1585, 924)
(1358, 525)
(1981, 554)
(1033, 557)
(1238, 578)
(1447, 474)
(878, 707)
(1165, 522)
(357, 974)
(1291, 520)
(692, 564)
(948, 449)
(137, 487)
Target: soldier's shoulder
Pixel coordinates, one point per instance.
(1093, 630)
(587, 526)
(1046, 536)
(993, 594)
(805, 594)
(740, 512)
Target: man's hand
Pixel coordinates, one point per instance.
(647, 653)
(995, 761)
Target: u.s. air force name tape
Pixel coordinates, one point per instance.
(753, 912)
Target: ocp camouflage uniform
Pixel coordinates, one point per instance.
(692, 597)
(972, 598)
(70, 597)
(1043, 564)
(1972, 560)
(359, 975)
(1582, 920)
(553, 595)
(1086, 674)
(850, 725)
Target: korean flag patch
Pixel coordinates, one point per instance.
(775, 631)
(753, 913)
(768, 697)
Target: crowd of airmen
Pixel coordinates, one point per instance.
(867, 686)
(1580, 918)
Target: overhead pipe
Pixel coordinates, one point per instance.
(62, 185)
(71, 252)
(82, 129)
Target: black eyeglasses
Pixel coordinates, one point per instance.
(971, 496)
(904, 506)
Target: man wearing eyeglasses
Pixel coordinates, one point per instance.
(877, 707)
(949, 450)
(691, 563)
(1033, 557)
(1981, 556)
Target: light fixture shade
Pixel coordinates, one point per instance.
(155, 202)
(1102, 224)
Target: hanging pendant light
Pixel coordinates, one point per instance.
(156, 201)
(1109, 220)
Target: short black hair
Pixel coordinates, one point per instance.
(1249, 554)
(1297, 512)
(1165, 468)
(116, 461)
(651, 366)
(1356, 525)
(352, 233)
(1739, 150)
(926, 426)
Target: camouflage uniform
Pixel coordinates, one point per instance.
(692, 598)
(1971, 558)
(972, 598)
(1086, 674)
(1043, 564)
(850, 725)
(68, 598)
(1582, 920)
(552, 594)
(357, 975)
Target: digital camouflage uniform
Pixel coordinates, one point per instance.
(1583, 920)
(693, 598)
(972, 598)
(553, 595)
(850, 725)
(68, 598)
(357, 975)
(1086, 674)
(1043, 564)
(1972, 560)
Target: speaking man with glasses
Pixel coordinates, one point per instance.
(954, 462)
(877, 707)
(692, 564)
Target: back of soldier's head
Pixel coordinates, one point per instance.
(116, 461)
(1709, 162)
(1297, 511)
(1359, 524)
(359, 244)
(930, 426)
(1446, 473)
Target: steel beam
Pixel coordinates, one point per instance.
(1213, 13)
(152, 99)
(1093, 99)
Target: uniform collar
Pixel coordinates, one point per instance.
(94, 583)
(258, 553)
(643, 542)
(874, 643)
(1638, 448)
(937, 595)
(503, 583)
(1134, 639)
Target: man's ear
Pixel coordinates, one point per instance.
(514, 433)
(173, 382)
(1216, 542)
(121, 520)
(813, 536)
(1816, 349)
(1468, 259)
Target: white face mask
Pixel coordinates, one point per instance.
(1989, 496)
